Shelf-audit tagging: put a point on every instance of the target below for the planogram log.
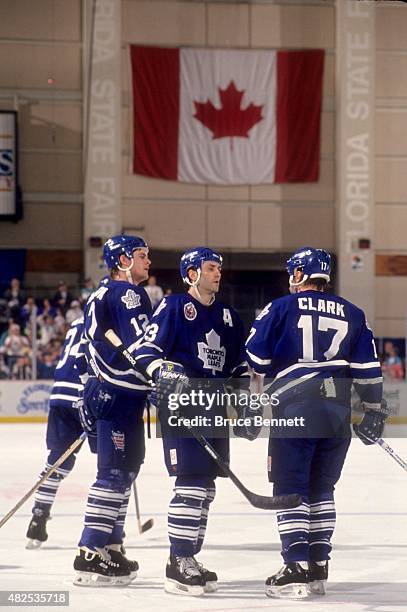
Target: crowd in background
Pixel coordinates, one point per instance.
(52, 316)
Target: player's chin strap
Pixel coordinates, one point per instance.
(194, 285)
(127, 271)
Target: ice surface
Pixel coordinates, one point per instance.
(368, 570)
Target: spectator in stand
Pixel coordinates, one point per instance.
(55, 348)
(74, 312)
(15, 297)
(6, 332)
(62, 297)
(392, 365)
(46, 308)
(46, 331)
(154, 291)
(46, 366)
(87, 288)
(167, 291)
(27, 311)
(21, 369)
(60, 323)
(15, 345)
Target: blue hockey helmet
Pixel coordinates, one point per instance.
(121, 245)
(313, 263)
(193, 259)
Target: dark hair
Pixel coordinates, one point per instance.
(320, 283)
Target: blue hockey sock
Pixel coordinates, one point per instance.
(116, 537)
(184, 518)
(102, 510)
(293, 526)
(210, 496)
(45, 494)
(322, 525)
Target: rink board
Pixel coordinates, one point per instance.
(28, 401)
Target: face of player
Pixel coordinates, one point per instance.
(297, 279)
(138, 267)
(141, 266)
(209, 282)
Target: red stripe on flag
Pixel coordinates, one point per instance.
(155, 111)
(299, 96)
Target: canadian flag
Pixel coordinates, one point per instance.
(227, 117)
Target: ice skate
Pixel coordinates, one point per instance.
(116, 554)
(291, 582)
(37, 532)
(96, 568)
(183, 577)
(211, 578)
(318, 575)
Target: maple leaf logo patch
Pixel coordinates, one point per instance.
(230, 120)
(212, 353)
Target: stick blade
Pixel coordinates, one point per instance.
(278, 502)
(147, 525)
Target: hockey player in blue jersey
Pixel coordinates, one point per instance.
(113, 405)
(63, 428)
(313, 346)
(203, 339)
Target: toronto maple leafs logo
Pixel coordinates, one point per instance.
(212, 353)
(131, 299)
(190, 311)
(230, 120)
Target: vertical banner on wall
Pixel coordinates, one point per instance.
(8, 164)
(355, 151)
(102, 203)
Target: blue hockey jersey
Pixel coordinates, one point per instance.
(126, 309)
(207, 340)
(67, 386)
(313, 334)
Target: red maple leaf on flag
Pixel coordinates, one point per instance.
(230, 120)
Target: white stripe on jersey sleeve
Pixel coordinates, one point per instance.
(365, 366)
(257, 359)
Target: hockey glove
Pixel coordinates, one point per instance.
(87, 419)
(248, 413)
(370, 429)
(170, 382)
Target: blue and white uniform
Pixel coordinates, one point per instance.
(63, 426)
(314, 346)
(208, 342)
(116, 395)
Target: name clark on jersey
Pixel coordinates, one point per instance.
(328, 306)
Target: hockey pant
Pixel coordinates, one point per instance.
(188, 514)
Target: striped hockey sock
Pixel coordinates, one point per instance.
(116, 537)
(293, 526)
(322, 525)
(184, 519)
(210, 496)
(102, 511)
(45, 494)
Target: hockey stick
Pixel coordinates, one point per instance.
(279, 502)
(142, 528)
(44, 477)
(391, 452)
